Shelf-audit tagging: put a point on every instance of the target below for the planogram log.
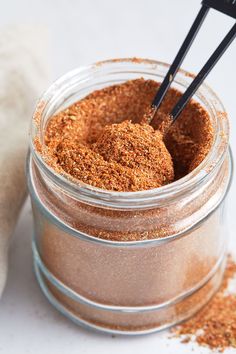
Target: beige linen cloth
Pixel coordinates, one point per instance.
(23, 77)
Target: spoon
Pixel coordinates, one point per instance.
(227, 7)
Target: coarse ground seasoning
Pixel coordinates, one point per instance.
(215, 324)
(103, 140)
(126, 157)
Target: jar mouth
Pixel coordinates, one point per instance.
(139, 199)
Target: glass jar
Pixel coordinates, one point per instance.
(129, 287)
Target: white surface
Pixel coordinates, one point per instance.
(84, 31)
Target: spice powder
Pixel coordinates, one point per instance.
(103, 139)
(215, 324)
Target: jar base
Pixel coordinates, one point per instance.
(127, 323)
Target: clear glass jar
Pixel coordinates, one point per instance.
(129, 287)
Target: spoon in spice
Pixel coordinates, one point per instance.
(163, 122)
(119, 138)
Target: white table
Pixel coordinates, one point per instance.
(83, 32)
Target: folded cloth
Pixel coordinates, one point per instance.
(23, 76)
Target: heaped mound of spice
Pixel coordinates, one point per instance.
(102, 140)
(138, 147)
(215, 325)
(126, 156)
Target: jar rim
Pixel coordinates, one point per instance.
(139, 199)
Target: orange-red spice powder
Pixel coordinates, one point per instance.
(215, 325)
(103, 140)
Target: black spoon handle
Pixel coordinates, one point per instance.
(203, 73)
(180, 57)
